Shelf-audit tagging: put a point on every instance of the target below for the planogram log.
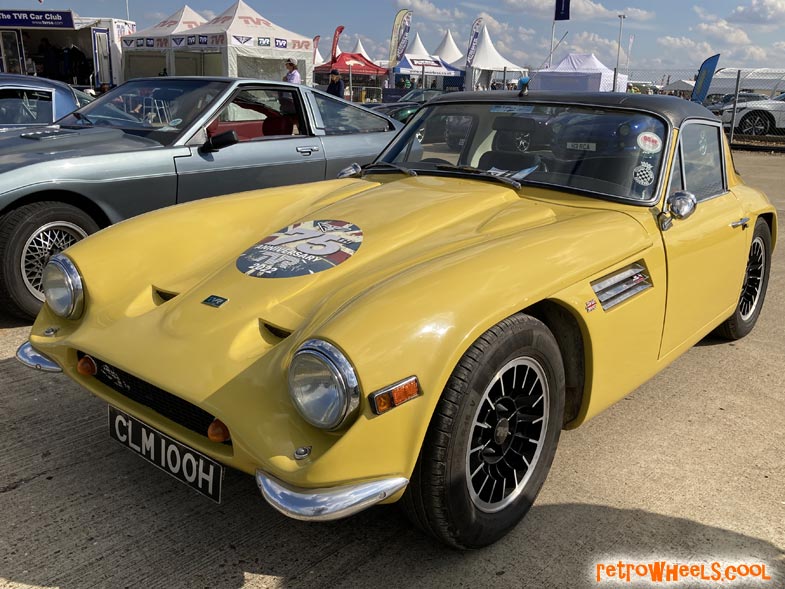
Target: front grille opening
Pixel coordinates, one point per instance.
(166, 404)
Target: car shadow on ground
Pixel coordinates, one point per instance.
(8, 321)
(80, 510)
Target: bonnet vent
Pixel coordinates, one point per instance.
(622, 284)
(46, 133)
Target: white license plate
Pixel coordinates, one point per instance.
(188, 466)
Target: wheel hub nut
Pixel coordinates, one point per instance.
(501, 431)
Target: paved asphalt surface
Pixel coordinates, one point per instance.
(690, 467)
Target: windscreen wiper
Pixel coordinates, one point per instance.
(480, 173)
(379, 166)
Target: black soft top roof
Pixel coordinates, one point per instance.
(672, 108)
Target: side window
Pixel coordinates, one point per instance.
(676, 177)
(254, 114)
(25, 107)
(341, 118)
(701, 149)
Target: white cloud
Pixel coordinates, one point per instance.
(604, 49)
(723, 31)
(759, 12)
(429, 11)
(208, 14)
(680, 46)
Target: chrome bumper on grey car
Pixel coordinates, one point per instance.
(32, 358)
(329, 503)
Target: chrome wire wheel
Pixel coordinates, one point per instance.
(46, 241)
(507, 434)
(753, 279)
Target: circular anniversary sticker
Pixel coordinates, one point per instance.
(300, 249)
(650, 142)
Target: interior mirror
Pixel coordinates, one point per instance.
(220, 141)
(351, 171)
(681, 204)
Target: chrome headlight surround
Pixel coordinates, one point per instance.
(325, 400)
(62, 286)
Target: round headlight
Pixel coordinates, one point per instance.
(62, 286)
(323, 385)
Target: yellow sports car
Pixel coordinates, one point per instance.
(422, 328)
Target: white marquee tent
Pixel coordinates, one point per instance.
(680, 86)
(241, 42)
(416, 48)
(581, 72)
(487, 60)
(447, 50)
(147, 52)
(358, 48)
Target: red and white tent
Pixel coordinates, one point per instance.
(241, 42)
(147, 52)
(355, 63)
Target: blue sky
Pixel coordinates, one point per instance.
(671, 34)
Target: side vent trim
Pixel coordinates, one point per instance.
(622, 284)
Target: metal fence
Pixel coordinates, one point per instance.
(750, 102)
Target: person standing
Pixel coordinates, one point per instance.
(336, 85)
(292, 76)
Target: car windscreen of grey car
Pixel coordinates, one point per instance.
(155, 142)
(147, 109)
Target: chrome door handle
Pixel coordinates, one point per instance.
(741, 223)
(308, 150)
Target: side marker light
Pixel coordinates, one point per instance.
(394, 395)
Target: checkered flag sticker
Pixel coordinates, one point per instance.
(643, 174)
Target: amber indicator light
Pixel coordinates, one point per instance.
(397, 394)
(86, 366)
(218, 432)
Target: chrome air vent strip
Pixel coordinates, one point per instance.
(621, 285)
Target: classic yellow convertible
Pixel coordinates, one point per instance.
(422, 328)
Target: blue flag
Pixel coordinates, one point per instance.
(562, 10)
(703, 81)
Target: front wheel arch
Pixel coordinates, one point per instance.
(65, 197)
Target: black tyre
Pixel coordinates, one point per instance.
(755, 123)
(756, 281)
(29, 236)
(492, 437)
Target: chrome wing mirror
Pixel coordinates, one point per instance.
(679, 205)
(351, 171)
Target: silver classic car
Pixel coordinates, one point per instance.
(27, 101)
(154, 142)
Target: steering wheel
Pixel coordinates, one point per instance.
(434, 160)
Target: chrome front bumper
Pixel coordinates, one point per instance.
(31, 358)
(329, 503)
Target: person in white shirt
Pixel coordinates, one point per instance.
(292, 76)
